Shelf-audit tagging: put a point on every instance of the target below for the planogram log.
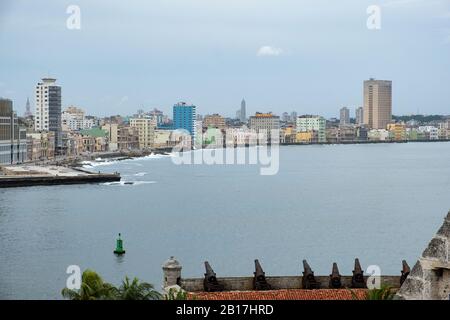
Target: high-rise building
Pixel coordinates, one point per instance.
(377, 103)
(13, 140)
(310, 123)
(344, 118)
(184, 117)
(243, 114)
(359, 116)
(48, 109)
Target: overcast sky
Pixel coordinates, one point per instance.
(280, 55)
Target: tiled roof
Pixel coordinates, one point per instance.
(285, 294)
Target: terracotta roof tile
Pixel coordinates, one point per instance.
(285, 294)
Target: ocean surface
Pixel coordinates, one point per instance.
(381, 203)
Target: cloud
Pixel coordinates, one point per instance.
(269, 51)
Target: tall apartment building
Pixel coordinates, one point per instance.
(264, 123)
(184, 117)
(344, 118)
(13, 140)
(309, 123)
(359, 116)
(48, 109)
(377, 103)
(146, 127)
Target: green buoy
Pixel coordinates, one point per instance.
(119, 246)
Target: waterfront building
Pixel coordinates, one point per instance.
(48, 109)
(377, 103)
(213, 121)
(398, 131)
(94, 140)
(307, 137)
(264, 123)
(112, 130)
(344, 118)
(361, 133)
(184, 117)
(308, 123)
(72, 143)
(431, 132)
(127, 138)
(40, 146)
(378, 135)
(359, 116)
(13, 145)
(146, 127)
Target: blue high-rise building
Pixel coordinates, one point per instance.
(184, 117)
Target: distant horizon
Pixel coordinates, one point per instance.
(305, 56)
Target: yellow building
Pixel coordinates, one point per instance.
(397, 131)
(146, 127)
(304, 137)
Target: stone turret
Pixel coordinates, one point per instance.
(172, 272)
(430, 276)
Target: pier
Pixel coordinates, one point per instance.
(27, 176)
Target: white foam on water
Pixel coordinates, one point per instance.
(127, 183)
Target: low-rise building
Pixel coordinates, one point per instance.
(40, 146)
(378, 135)
(213, 121)
(431, 132)
(397, 130)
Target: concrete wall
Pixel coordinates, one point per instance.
(281, 282)
(430, 277)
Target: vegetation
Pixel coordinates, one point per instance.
(94, 288)
(420, 118)
(383, 293)
(136, 290)
(174, 294)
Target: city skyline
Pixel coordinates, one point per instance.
(295, 57)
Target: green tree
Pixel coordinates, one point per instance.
(92, 288)
(136, 290)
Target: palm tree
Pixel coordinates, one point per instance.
(92, 288)
(383, 293)
(136, 290)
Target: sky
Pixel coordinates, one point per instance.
(308, 56)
